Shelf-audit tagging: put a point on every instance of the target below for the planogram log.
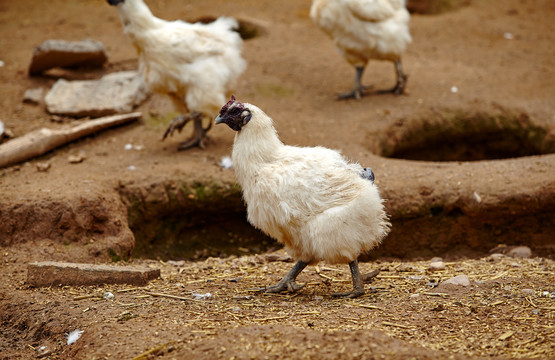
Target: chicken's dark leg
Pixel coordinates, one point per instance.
(199, 133)
(288, 282)
(358, 90)
(399, 87)
(358, 283)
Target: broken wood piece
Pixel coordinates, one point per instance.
(51, 273)
(41, 141)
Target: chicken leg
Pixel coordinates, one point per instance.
(358, 283)
(199, 132)
(358, 90)
(399, 87)
(288, 282)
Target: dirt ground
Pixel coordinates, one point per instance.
(496, 55)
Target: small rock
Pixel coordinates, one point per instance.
(436, 266)
(198, 296)
(33, 96)
(535, 312)
(176, 262)
(56, 119)
(406, 268)
(4, 133)
(107, 295)
(61, 53)
(460, 280)
(43, 166)
(43, 351)
(528, 291)
(76, 159)
(546, 294)
(521, 252)
(496, 257)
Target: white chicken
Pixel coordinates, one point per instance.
(310, 199)
(195, 64)
(363, 30)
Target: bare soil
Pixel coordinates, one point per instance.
(488, 66)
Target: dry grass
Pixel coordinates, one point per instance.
(491, 317)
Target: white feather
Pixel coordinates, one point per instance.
(308, 198)
(226, 162)
(74, 336)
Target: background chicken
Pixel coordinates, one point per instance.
(195, 64)
(363, 30)
(310, 199)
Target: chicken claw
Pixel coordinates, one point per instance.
(199, 133)
(359, 90)
(358, 283)
(288, 282)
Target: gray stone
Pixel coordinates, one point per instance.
(460, 280)
(61, 53)
(522, 252)
(528, 291)
(33, 96)
(52, 273)
(496, 257)
(114, 93)
(436, 266)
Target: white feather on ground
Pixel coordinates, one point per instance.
(364, 30)
(74, 336)
(310, 199)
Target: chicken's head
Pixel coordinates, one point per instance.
(235, 114)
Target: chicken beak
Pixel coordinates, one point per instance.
(219, 120)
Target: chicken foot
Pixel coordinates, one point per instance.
(199, 132)
(358, 90)
(358, 283)
(288, 282)
(399, 87)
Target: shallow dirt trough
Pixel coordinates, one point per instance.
(462, 172)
